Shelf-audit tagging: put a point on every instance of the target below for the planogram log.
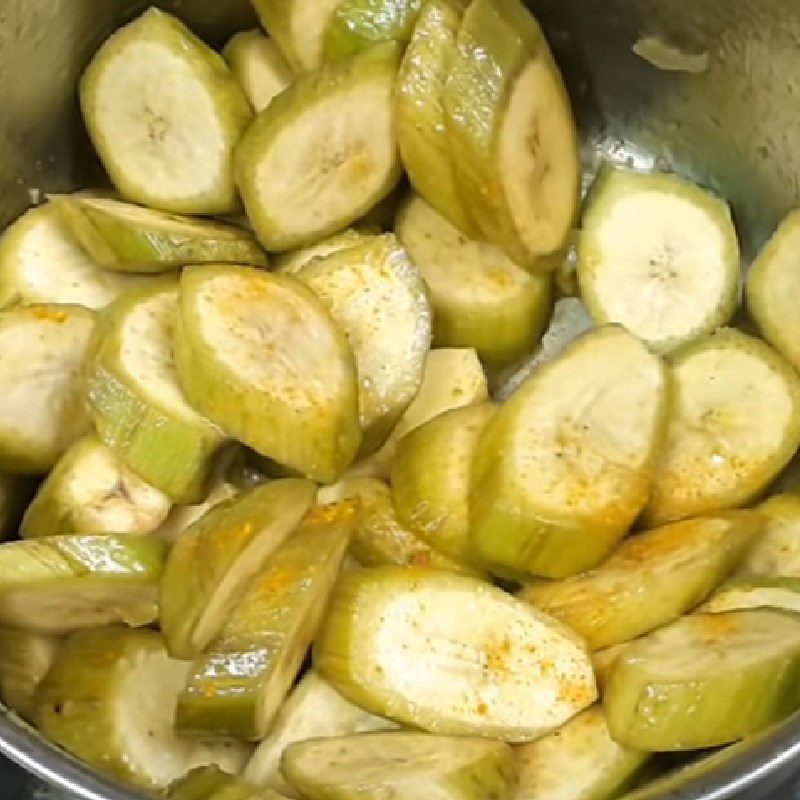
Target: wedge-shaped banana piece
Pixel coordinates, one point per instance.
(564, 468)
(40, 262)
(293, 262)
(42, 403)
(512, 135)
(723, 447)
(58, 584)
(323, 153)
(419, 106)
(25, 658)
(211, 783)
(430, 477)
(705, 680)
(377, 297)
(743, 593)
(164, 114)
(493, 666)
(135, 400)
(110, 698)
(259, 66)
(260, 355)
(314, 709)
(91, 491)
(400, 764)
(776, 553)
(182, 517)
(236, 687)
(128, 238)
(651, 580)
(579, 761)
(659, 256)
(480, 297)
(213, 562)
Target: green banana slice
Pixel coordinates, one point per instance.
(313, 709)
(579, 761)
(323, 153)
(563, 469)
(705, 680)
(135, 400)
(91, 491)
(259, 66)
(419, 107)
(480, 297)
(722, 449)
(40, 262)
(129, 238)
(164, 114)
(604, 662)
(659, 256)
(776, 553)
(430, 478)
(651, 580)
(180, 518)
(42, 403)
(213, 562)
(511, 132)
(211, 783)
(400, 764)
(237, 686)
(109, 699)
(58, 584)
(741, 593)
(260, 355)
(493, 665)
(25, 659)
(293, 262)
(377, 297)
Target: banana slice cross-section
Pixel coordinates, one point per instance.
(776, 553)
(259, 66)
(743, 593)
(25, 659)
(292, 262)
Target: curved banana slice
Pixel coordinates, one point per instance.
(323, 153)
(291, 263)
(564, 468)
(723, 447)
(182, 517)
(164, 113)
(705, 680)
(659, 256)
(493, 665)
(109, 700)
(776, 553)
(25, 659)
(652, 579)
(259, 66)
(480, 297)
(744, 593)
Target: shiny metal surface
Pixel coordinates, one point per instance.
(734, 127)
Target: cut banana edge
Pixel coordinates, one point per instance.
(776, 553)
(722, 450)
(293, 262)
(164, 113)
(323, 153)
(259, 66)
(744, 593)
(212, 783)
(25, 659)
(659, 256)
(182, 517)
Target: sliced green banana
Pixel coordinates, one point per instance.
(579, 761)
(659, 256)
(58, 584)
(25, 659)
(493, 666)
(211, 783)
(91, 491)
(430, 478)
(182, 517)
(40, 262)
(604, 662)
(722, 449)
(403, 765)
(323, 152)
(776, 553)
(109, 700)
(564, 468)
(42, 409)
(259, 66)
(313, 709)
(260, 355)
(136, 402)
(743, 593)
(214, 561)
(293, 262)
(128, 238)
(651, 580)
(480, 297)
(237, 686)
(421, 123)
(164, 114)
(705, 680)
(511, 131)
(376, 295)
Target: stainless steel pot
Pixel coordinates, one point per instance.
(732, 122)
